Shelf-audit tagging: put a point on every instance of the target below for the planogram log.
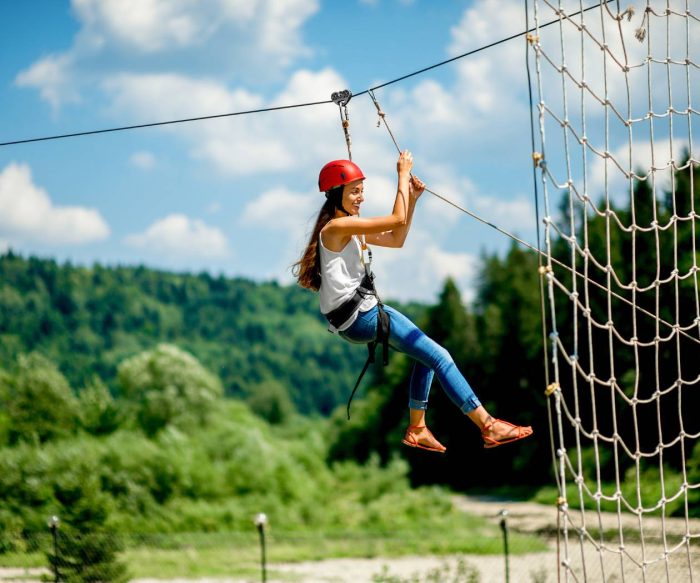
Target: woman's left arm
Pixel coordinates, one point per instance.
(397, 237)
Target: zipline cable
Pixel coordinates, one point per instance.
(296, 105)
(482, 48)
(162, 123)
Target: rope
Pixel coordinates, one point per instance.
(543, 308)
(281, 107)
(620, 414)
(543, 271)
(341, 99)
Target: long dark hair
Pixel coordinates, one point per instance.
(308, 269)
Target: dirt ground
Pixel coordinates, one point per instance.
(611, 566)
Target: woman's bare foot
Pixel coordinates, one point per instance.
(498, 432)
(422, 438)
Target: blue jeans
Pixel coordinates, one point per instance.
(430, 357)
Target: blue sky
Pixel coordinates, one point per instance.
(238, 195)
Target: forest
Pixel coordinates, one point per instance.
(136, 400)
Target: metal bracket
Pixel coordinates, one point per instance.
(341, 98)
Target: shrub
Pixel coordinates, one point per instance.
(168, 386)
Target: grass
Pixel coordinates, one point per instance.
(238, 554)
(243, 557)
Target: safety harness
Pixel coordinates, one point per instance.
(349, 308)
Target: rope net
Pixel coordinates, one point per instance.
(619, 174)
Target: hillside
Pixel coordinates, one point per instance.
(254, 336)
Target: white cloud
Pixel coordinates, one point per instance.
(640, 162)
(242, 145)
(490, 78)
(145, 25)
(280, 25)
(143, 160)
(516, 214)
(27, 214)
(178, 236)
(282, 209)
(418, 270)
(483, 111)
(53, 76)
(252, 38)
(170, 95)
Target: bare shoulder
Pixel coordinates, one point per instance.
(333, 239)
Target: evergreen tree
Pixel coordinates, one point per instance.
(86, 552)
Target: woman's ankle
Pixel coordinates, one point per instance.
(480, 417)
(416, 417)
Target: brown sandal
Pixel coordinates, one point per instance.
(411, 441)
(490, 442)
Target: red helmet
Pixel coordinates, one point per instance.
(337, 173)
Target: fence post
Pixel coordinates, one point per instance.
(53, 523)
(260, 522)
(504, 528)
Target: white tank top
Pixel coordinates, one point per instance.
(341, 274)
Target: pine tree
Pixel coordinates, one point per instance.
(86, 552)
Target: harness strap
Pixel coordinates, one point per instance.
(347, 309)
(383, 331)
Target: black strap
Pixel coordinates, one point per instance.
(383, 331)
(347, 309)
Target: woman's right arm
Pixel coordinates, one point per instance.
(346, 226)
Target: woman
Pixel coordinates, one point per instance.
(334, 265)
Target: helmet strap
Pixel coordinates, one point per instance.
(335, 195)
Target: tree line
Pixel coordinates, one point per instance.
(256, 337)
(498, 343)
(268, 345)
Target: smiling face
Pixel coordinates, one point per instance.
(353, 196)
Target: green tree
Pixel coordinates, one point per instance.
(99, 413)
(38, 400)
(86, 552)
(168, 386)
(270, 400)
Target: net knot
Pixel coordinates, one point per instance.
(628, 12)
(380, 117)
